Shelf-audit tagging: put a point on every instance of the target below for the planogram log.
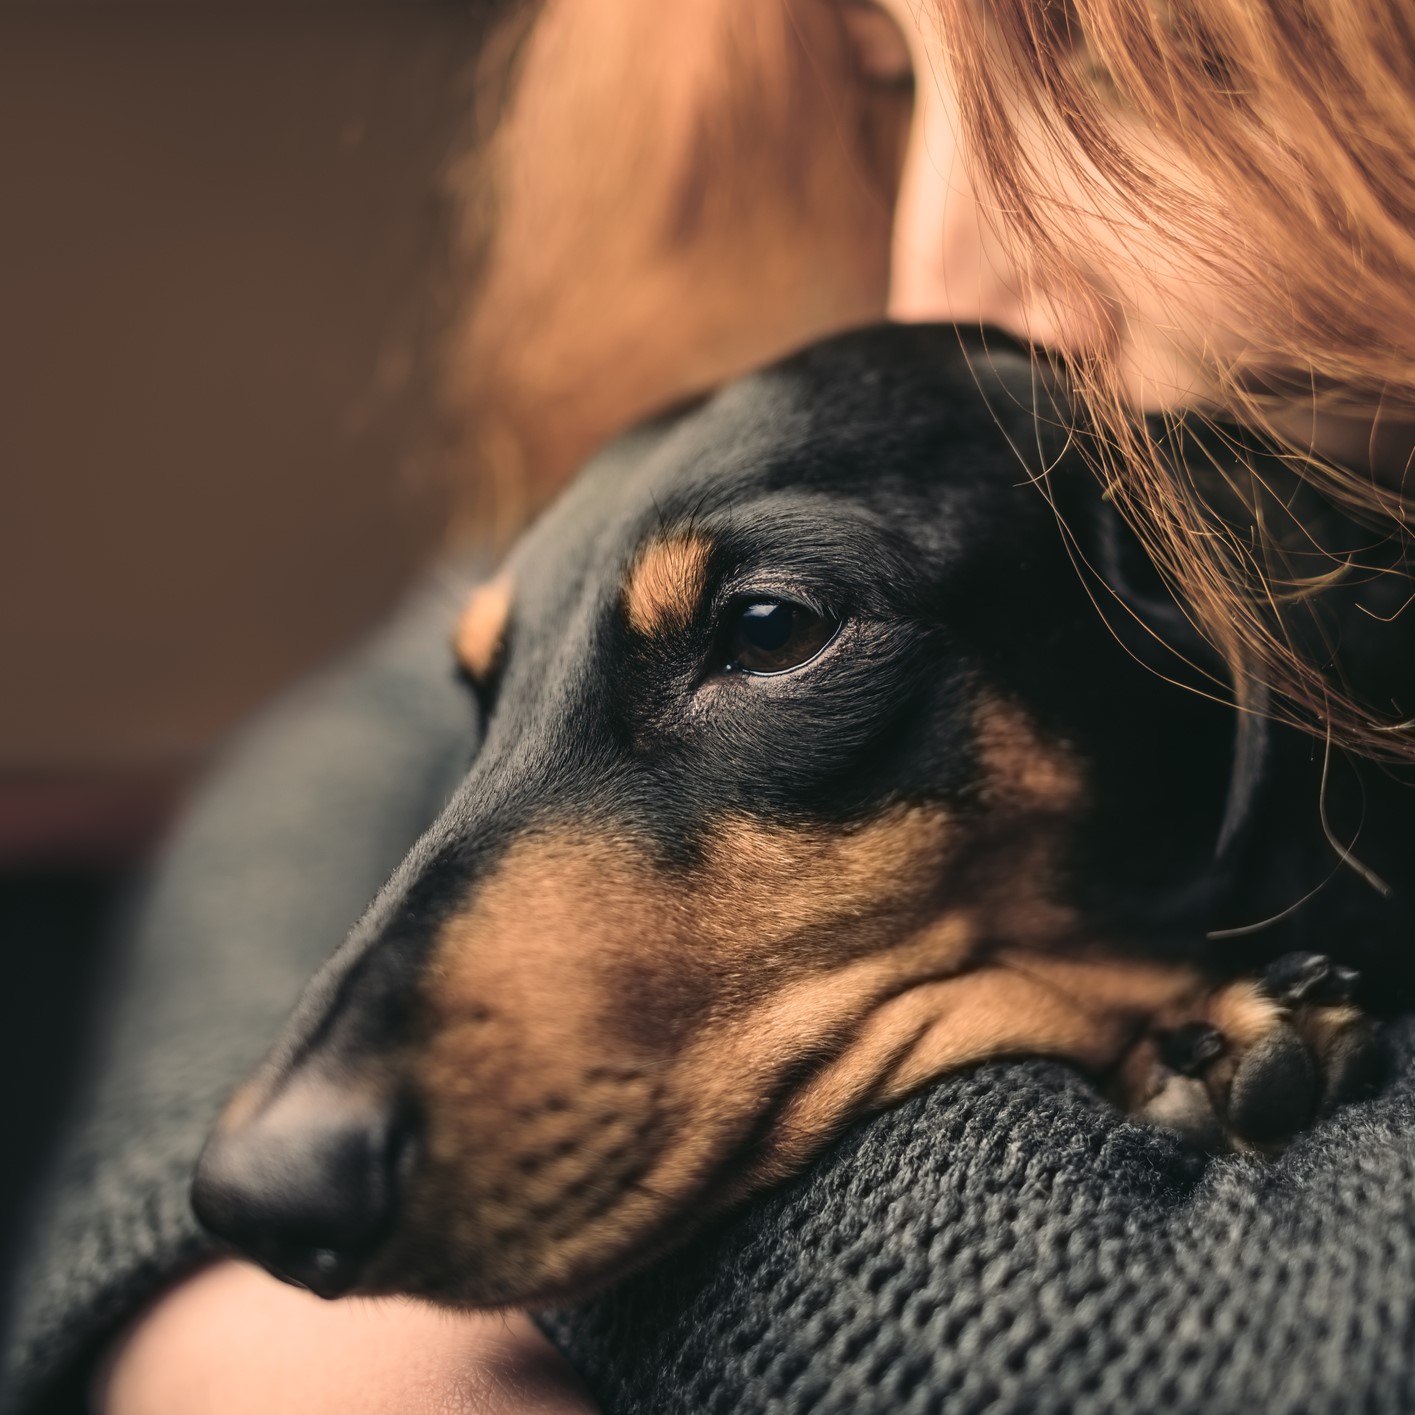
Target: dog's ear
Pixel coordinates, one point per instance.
(1149, 620)
(1252, 758)
(1132, 596)
(1168, 638)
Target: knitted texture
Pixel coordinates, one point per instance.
(1007, 1242)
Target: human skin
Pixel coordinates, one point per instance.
(231, 1339)
(1148, 301)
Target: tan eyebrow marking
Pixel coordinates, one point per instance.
(666, 584)
(482, 628)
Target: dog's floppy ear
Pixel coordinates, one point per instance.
(1148, 619)
(1140, 608)
(1252, 754)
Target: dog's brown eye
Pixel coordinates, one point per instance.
(775, 635)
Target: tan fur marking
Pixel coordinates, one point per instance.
(483, 626)
(661, 1006)
(604, 1031)
(1244, 1014)
(616, 1047)
(1021, 768)
(666, 583)
(1030, 791)
(1319, 1027)
(1083, 1011)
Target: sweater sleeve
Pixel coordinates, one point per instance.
(293, 834)
(1007, 1242)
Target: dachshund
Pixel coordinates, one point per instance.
(837, 735)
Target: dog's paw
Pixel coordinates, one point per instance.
(1260, 1060)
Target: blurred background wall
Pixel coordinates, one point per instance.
(219, 227)
(219, 231)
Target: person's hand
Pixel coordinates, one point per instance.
(231, 1340)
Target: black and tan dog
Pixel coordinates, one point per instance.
(811, 771)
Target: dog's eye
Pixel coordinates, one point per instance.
(774, 635)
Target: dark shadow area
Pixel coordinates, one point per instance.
(53, 926)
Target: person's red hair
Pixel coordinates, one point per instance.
(677, 191)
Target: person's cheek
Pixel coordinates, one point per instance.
(952, 258)
(938, 268)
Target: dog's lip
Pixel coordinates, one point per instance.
(322, 1271)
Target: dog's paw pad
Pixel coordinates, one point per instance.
(1273, 1091)
(1261, 1060)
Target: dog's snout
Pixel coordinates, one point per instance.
(307, 1184)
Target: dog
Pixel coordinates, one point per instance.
(831, 744)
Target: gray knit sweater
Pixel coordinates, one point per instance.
(1005, 1242)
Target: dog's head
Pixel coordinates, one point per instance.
(796, 708)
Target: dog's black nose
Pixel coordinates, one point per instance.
(307, 1184)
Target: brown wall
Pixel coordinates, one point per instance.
(216, 233)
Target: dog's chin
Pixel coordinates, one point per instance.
(455, 1259)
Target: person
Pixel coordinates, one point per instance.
(1202, 208)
